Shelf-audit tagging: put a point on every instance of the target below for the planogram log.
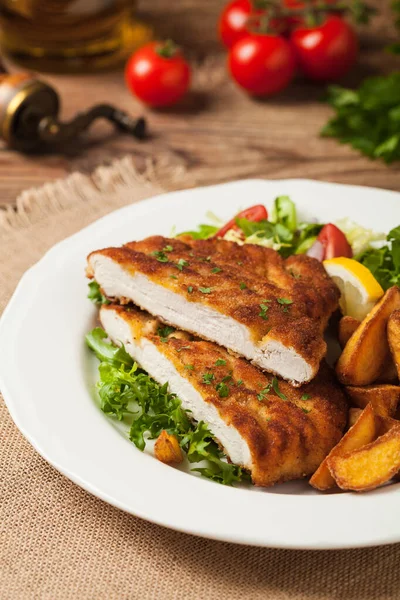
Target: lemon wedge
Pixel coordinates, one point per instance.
(359, 289)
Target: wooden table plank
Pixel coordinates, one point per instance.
(219, 133)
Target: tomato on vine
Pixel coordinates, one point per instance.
(232, 24)
(262, 64)
(158, 74)
(327, 51)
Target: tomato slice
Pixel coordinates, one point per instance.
(255, 213)
(334, 242)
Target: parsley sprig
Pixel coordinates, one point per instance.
(368, 118)
(273, 385)
(264, 306)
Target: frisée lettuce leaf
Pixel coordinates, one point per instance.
(129, 394)
(384, 263)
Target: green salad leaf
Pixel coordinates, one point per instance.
(95, 294)
(129, 394)
(368, 118)
(282, 232)
(105, 351)
(384, 263)
(284, 213)
(202, 232)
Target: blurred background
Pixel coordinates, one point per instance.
(217, 131)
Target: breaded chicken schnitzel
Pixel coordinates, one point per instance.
(246, 298)
(275, 431)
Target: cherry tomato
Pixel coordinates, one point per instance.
(262, 64)
(255, 213)
(158, 74)
(233, 20)
(334, 242)
(325, 52)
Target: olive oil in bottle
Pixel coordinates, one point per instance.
(70, 35)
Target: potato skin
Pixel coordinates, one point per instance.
(370, 466)
(347, 326)
(367, 351)
(364, 431)
(383, 397)
(393, 331)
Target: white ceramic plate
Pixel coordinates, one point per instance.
(47, 377)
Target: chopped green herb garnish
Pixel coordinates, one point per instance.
(173, 277)
(264, 392)
(168, 248)
(190, 289)
(216, 270)
(305, 397)
(220, 362)
(242, 285)
(263, 312)
(239, 382)
(160, 256)
(181, 263)
(164, 332)
(205, 290)
(226, 379)
(285, 302)
(306, 410)
(222, 390)
(208, 377)
(189, 367)
(95, 294)
(275, 387)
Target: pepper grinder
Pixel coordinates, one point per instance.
(29, 110)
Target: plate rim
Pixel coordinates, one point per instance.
(12, 407)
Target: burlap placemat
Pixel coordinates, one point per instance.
(59, 542)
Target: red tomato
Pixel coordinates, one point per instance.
(334, 242)
(233, 20)
(262, 64)
(158, 74)
(325, 52)
(255, 213)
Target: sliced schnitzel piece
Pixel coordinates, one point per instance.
(246, 298)
(265, 425)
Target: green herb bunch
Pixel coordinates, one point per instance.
(368, 118)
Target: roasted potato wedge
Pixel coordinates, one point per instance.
(388, 373)
(361, 433)
(347, 326)
(354, 414)
(367, 351)
(167, 449)
(393, 331)
(384, 398)
(369, 467)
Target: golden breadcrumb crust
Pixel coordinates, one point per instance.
(288, 436)
(289, 301)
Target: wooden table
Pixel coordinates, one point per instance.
(219, 133)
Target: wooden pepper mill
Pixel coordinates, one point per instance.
(29, 111)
